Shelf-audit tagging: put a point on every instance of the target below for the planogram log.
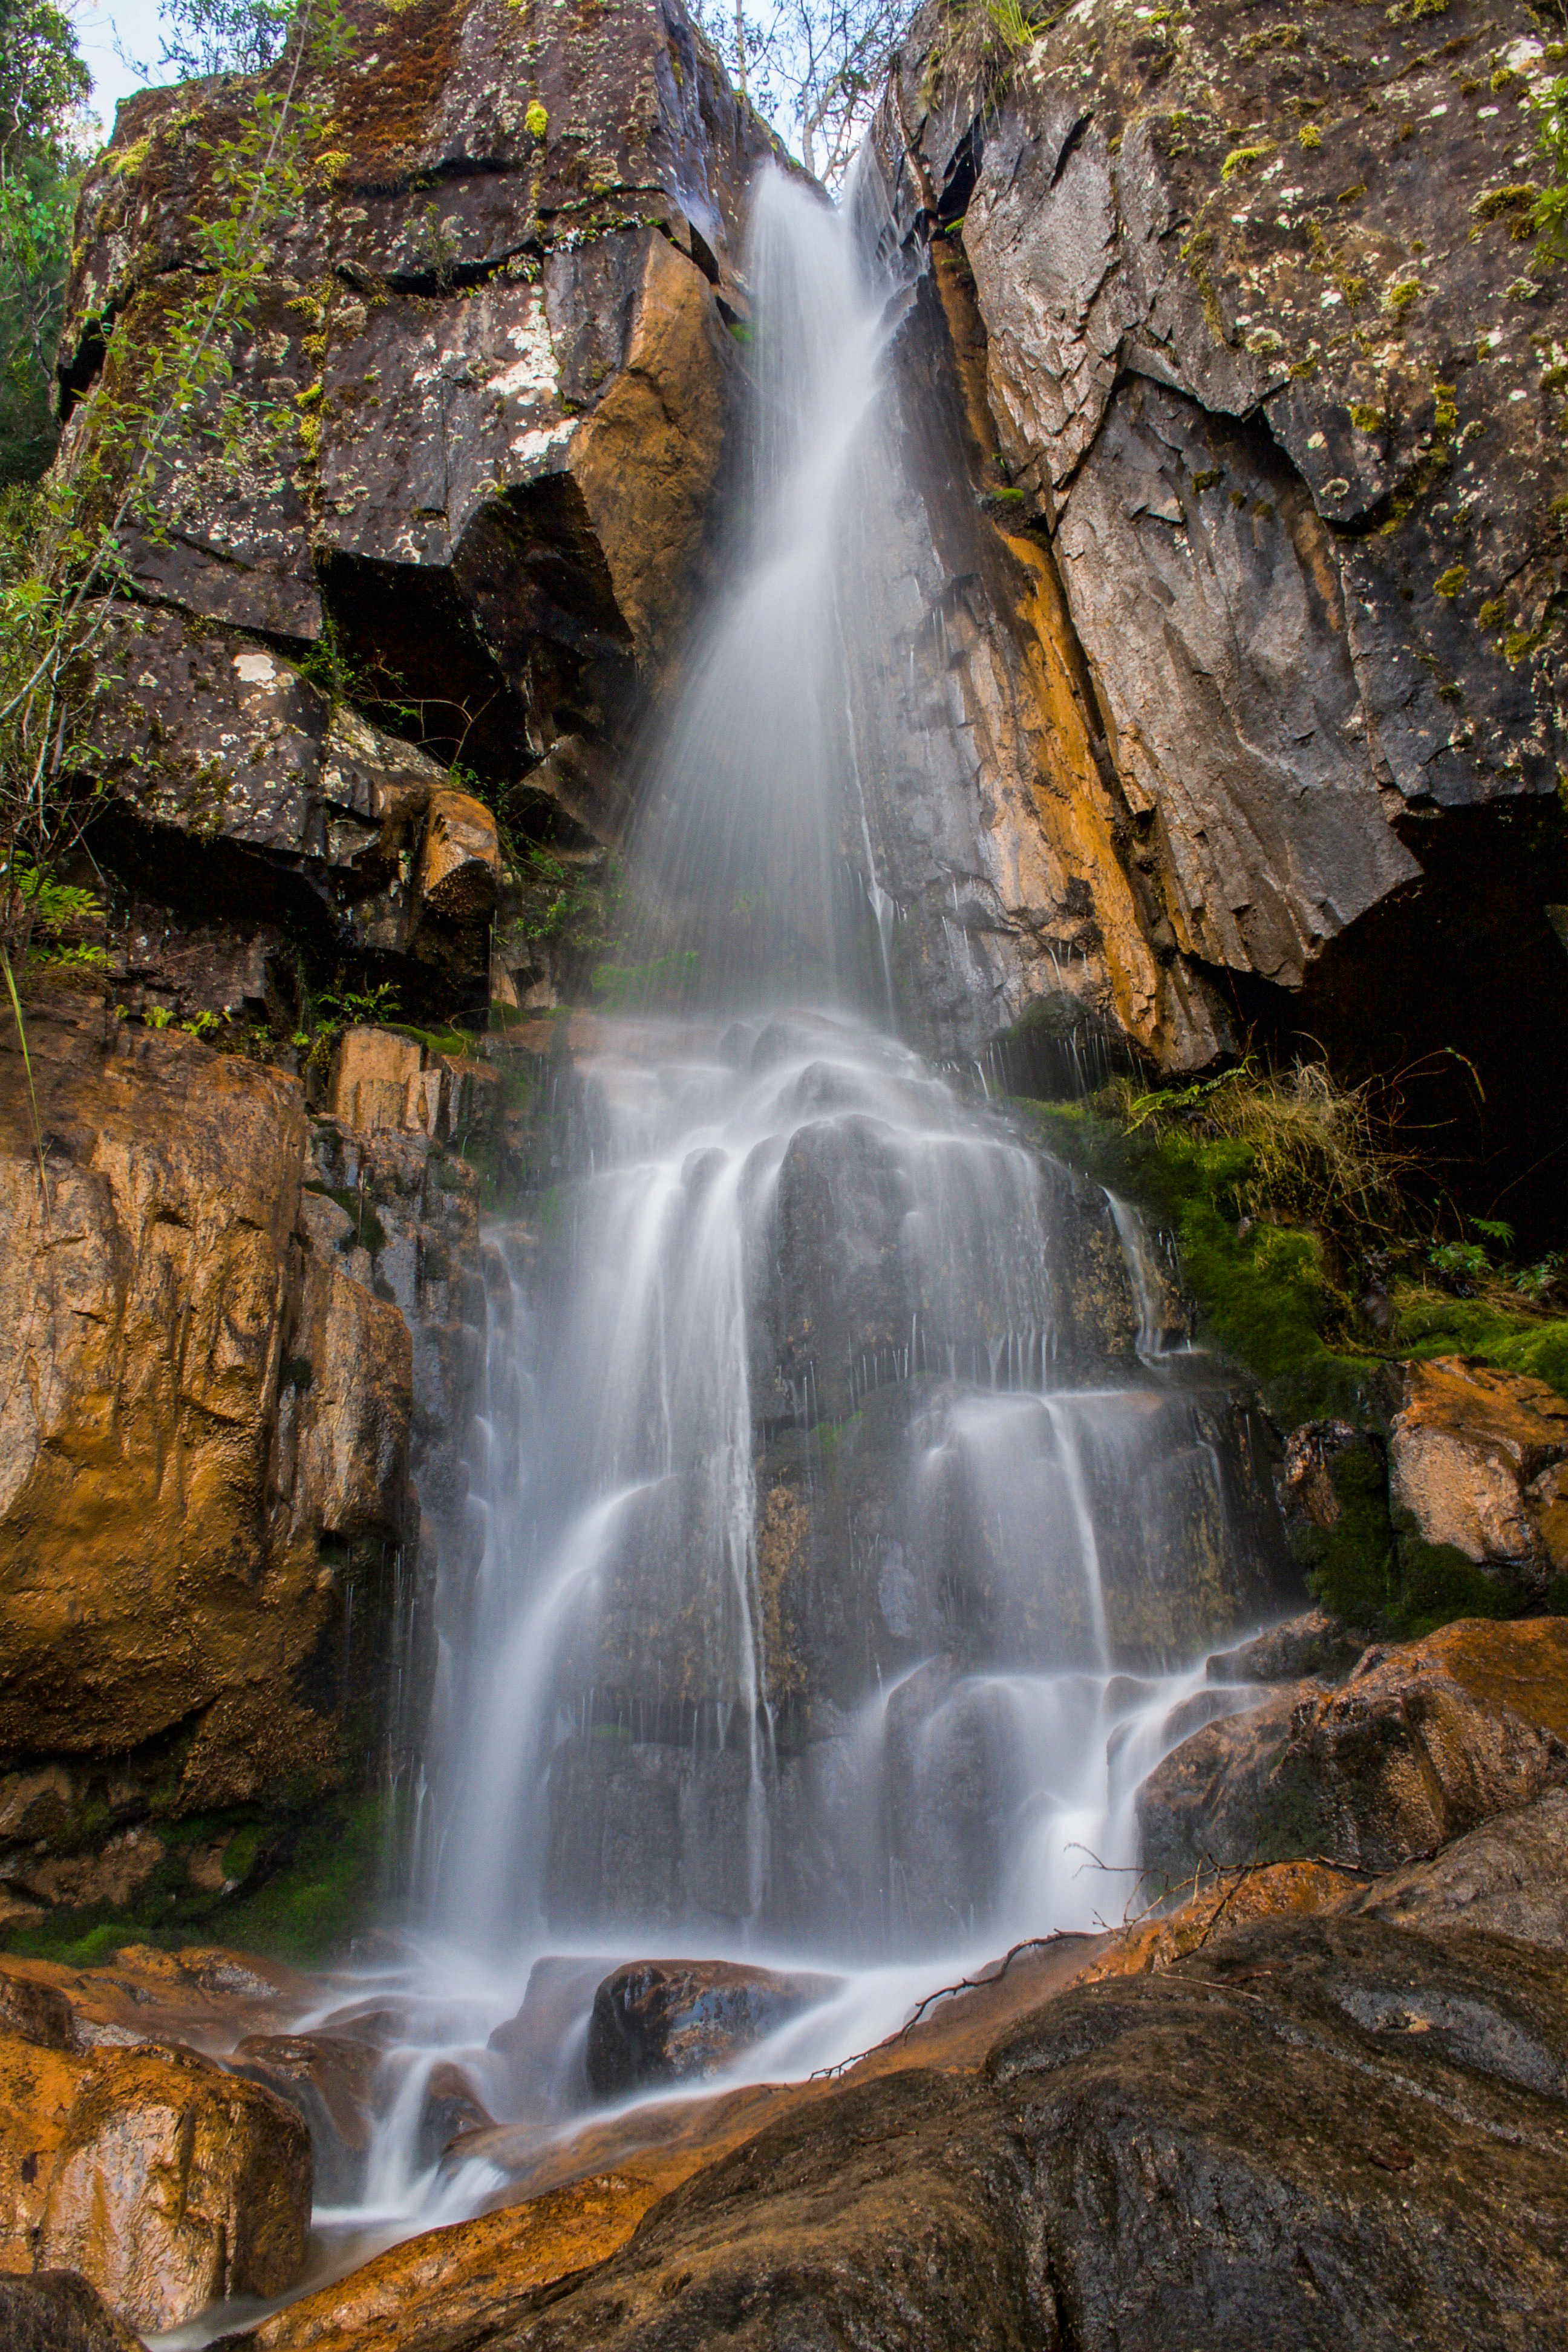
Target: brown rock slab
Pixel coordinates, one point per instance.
(1464, 1453)
(1509, 1876)
(452, 2287)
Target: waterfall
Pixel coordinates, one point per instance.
(851, 1535)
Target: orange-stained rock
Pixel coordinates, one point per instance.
(1424, 1741)
(1465, 1451)
(459, 861)
(1236, 1899)
(376, 1081)
(161, 2179)
(203, 1996)
(462, 2285)
(169, 1458)
(648, 458)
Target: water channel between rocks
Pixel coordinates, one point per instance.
(852, 1519)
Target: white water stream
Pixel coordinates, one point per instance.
(817, 1520)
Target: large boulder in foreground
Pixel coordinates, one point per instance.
(1315, 2132)
(1422, 1742)
(162, 2179)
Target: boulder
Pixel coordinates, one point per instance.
(329, 2079)
(541, 2049)
(1314, 2131)
(58, 2311)
(1475, 1459)
(1508, 1877)
(1315, 1646)
(673, 2021)
(164, 2180)
(452, 2106)
(1424, 1740)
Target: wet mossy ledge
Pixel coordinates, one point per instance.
(304, 1892)
(1322, 1314)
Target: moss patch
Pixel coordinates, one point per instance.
(323, 1891)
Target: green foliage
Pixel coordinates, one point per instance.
(160, 414)
(1548, 215)
(349, 1008)
(44, 85)
(319, 1886)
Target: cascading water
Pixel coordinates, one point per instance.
(849, 1517)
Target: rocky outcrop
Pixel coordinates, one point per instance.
(1136, 2162)
(221, 1379)
(1422, 1742)
(1315, 1644)
(164, 2180)
(493, 368)
(1271, 377)
(1476, 1460)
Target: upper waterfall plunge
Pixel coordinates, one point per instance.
(751, 855)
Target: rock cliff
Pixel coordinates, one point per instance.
(1269, 388)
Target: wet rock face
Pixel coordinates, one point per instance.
(1318, 2130)
(495, 351)
(1422, 1742)
(670, 2021)
(210, 1445)
(164, 2180)
(1272, 372)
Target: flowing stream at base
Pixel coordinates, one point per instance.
(842, 1486)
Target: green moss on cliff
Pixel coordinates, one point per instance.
(1263, 1290)
(304, 1910)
